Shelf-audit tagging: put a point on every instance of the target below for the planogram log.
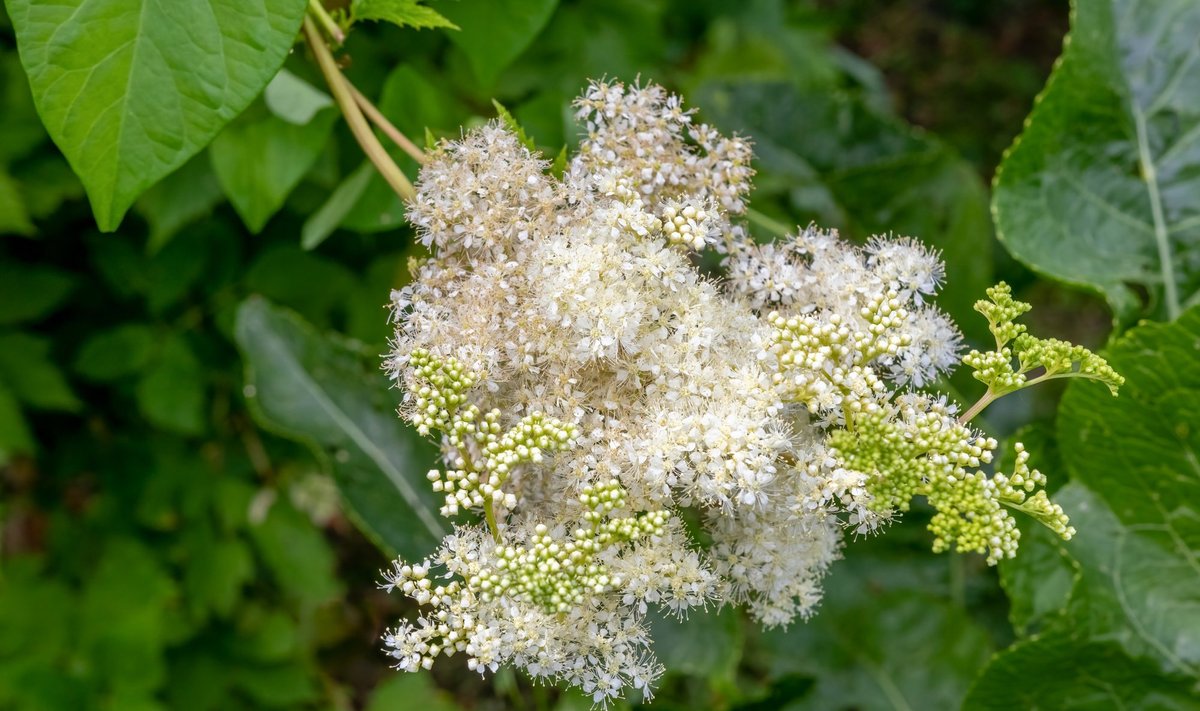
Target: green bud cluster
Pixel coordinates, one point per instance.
(475, 481)
(926, 453)
(561, 574)
(1058, 359)
(442, 387)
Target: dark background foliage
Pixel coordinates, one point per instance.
(172, 530)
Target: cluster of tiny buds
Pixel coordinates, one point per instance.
(1001, 309)
(994, 369)
(561, 574)
(442, 388)
(885, 316)
(685, 225)
(819, 368)
(1012, 491)
(468, 485)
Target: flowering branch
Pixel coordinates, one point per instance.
(586, 382)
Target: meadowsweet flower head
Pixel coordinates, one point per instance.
(588, 385)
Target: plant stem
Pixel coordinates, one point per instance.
(768, 223)
(988, 398)
(490, 514)
(317, 10)
(344, 97)
(376, 116)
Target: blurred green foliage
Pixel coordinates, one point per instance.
(199, 484)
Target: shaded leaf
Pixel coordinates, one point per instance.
(15, 437)
(260, 158)
(707, 643)
(1099, 190)
(30, 374)
(1061, 672)
(400, 691)
(14, 218)
(29, 292)
(317, 390)
(494, 32)
(179, 199)
(122, 351)
(294, 100)
(171, 393)
(129, 89)
(298, 556)
(850, 167)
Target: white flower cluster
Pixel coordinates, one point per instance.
(589, 383)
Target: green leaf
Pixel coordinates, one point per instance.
(26, 368)
(494, 32)
(124, 611)
(1134, 501)
(216, 573)
(130, 89)
(294, 100)
(403, 13)
(847, 166)
(317, 390)
(707, 643)
(112, 354)
(297, 555)
(14, 217)
(286, 274)
(19, 123)
(179, 199)
(881, 639)
(29, 292)
(1061, 672)
(1099, 190)
(15, 437)
(260, 158)
(1139, 538)
(410, 691)
(171, 393)
(511, 124)
(334, 211)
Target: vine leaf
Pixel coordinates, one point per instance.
(318, 390)
(402, 13)
(1099, 190)
(130, 89)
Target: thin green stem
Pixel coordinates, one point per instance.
(344, 96)
(768, 223)
(317, 10)
(988, 398)
(394, 134)
(490, 514)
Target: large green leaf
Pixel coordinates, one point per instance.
(1137, 455)
(881, 639)
(1135, 500)
(130, 89)
(318, 390)
(1100, 189)
(492, 33)
(846, 165)
(1067, 674)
